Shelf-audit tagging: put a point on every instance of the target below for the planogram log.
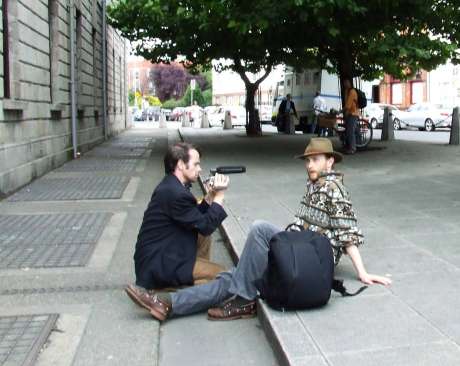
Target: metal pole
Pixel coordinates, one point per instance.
(73, 94)
(104, 69)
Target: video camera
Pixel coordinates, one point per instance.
(224, 169)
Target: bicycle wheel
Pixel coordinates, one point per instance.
(364, 133)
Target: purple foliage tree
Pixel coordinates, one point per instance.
(171, 80)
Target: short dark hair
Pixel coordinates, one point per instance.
(176, 152)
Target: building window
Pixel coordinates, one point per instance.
(396, 93)
(78, 56)
(6, 51)
(95, 73)
(54, 48)
(114, 90)
(416, 92)
(121, 84)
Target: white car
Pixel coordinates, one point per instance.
(195, 113)
(374, 113)
(426, 116)
(265, 113)
(238, 115)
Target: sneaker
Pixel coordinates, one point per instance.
(234, 308)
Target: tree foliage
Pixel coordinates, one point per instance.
(200, 31)
(171, 80)
(348, 37)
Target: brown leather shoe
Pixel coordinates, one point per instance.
(135, 293)
(159, 308)
(150, 301)
(233, 308)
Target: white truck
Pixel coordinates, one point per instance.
(303, 87)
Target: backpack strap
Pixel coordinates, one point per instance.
(294, 227)
(337, 285)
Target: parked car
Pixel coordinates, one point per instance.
(238, 115)
(167, 113)
(195, 112)
(426, 116)
(374, 113)
(265, 113)
(177, 113)
(152, 113)
(139, 115)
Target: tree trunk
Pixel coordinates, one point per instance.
(253, 127)
(345, 69)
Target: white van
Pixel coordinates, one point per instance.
(303, 87)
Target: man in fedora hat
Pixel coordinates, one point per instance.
(325, 208)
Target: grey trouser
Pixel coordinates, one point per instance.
(238, 281)
(351, 131)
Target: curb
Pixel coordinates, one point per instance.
(262, 309)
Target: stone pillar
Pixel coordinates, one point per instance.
(204, 120)
(388, 133)
(454, 130)
(185, 120)
(162, 121)
(228, 121)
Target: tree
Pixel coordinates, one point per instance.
(197, 97)
(249, 34)
(171, 80)
(153, 101)
(361, 38)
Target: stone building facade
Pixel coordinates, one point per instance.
(39, 109)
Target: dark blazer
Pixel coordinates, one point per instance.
(282, 107)
(167, 242)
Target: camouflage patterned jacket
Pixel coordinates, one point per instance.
(326, 208)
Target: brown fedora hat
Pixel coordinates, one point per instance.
(320, 145)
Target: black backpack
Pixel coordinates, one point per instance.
(300, 271)
(362, 100)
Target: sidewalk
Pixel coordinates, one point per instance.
(66, 248)
(66, 243)
(407, 199)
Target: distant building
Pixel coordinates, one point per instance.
(440, 86)
(228, 88)
(404, 93)
(139, 75)
(36, 71)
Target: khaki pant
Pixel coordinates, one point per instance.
(205, 270)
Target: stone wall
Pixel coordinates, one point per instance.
(35, 104)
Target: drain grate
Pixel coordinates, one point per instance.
(49, 240)
(116, 152)
(23, 336)
(99, 165)
(79, 188)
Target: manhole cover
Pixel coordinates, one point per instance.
(53, 240)
(80, 188)
(22, 337)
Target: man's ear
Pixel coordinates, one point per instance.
(180, 164)
(330, 162)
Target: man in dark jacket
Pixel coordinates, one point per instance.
(175, 226)
(286, 108)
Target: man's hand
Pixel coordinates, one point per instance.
(370, 279)
(220, 183)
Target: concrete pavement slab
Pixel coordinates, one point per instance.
(402, 191)
(433, 354)
(434, 295)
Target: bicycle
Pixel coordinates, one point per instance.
(332, 120)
